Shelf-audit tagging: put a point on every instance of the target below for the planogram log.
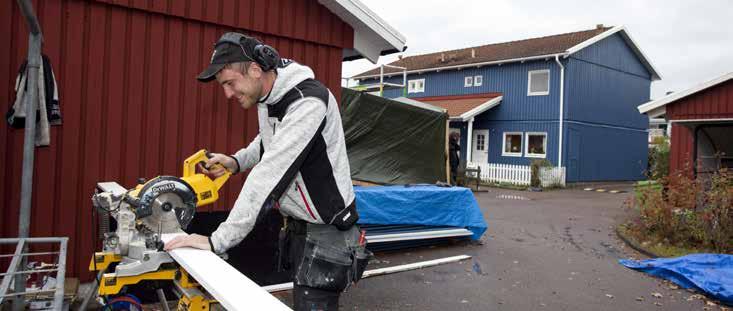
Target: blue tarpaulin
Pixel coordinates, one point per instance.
(708, 273)
(420, 205)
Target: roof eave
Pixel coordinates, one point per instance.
(373, 37)
(491, 103)
(504, 61)
(650, 106)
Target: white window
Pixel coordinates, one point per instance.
(512, 145)
(467, 81)
(480, 142)
(538, 83)
(416, 86)
(478, 80)
(536, 146)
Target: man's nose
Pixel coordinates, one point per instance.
(228, 93)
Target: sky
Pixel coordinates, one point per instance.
(688, 42)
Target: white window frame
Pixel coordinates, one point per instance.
(468, 81)
(529, 82)
(412, 86)
(503, 144)
(485, 142)
(478, 80)
(526, 145)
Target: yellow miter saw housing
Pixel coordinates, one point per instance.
(165, 204)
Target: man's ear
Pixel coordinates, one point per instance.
(255, 70)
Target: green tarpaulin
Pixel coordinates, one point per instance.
(390, 142)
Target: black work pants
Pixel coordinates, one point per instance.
(306, 298)
(313, 299)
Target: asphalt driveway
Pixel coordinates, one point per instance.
(553, 250)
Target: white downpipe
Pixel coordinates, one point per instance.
(469, 141)
(562, 114)
(381, 81)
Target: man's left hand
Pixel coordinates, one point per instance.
(191, 240)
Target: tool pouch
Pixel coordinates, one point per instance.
(361, 257)
(332, 259)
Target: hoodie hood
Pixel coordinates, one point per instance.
(287, 78)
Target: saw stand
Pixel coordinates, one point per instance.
(191, 295)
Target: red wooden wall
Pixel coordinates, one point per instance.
(713, 103)
(130, 102)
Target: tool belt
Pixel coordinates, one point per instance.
(322, 256)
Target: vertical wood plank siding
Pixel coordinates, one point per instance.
(131, 105)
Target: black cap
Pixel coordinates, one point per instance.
(226, 51)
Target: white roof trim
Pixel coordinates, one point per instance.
(702, 120)
(372, 35)
(419, 104)
(655, 75)
(491, 103)
(548, 57)
(661, 102)
(629, 40)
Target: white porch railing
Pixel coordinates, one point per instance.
(519, 174)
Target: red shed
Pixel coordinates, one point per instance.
(702, 125)
(131, 104)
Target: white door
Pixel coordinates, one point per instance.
(480, 151)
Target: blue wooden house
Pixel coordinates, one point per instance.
(506, 100)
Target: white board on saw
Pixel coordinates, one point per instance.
(232, 289)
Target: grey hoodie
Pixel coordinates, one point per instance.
(298, 159)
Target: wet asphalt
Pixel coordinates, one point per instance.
(553, 250)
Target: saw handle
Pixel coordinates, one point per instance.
(189, 167)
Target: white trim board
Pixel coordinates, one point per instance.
(382, 271)
(419, 104)
(491, 103)
(231, 288)
(661, 102)
(432, 234)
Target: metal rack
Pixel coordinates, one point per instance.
(381, 86)
(17, 271)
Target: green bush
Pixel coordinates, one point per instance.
(658, 166)
(535, 170)
(680, 211)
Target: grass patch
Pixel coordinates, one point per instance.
(654, 247)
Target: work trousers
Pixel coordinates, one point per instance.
(313, 299)
(306, 298)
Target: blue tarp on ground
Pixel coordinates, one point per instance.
(709, 273)
(420, 205)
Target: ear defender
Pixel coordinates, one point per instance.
(266, 56)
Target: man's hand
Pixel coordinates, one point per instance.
(215, 171)
(192, 240)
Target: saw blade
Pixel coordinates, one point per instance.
(166, 204)
(164, 217)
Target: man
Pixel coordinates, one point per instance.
(299, 166)
(454, 149)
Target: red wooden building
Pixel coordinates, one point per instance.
(702, 125)
(131, 104)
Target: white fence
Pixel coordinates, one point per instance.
(552, 176)
(519, 174)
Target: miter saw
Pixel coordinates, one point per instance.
(165, 204)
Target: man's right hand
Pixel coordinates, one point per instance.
(213, 171)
